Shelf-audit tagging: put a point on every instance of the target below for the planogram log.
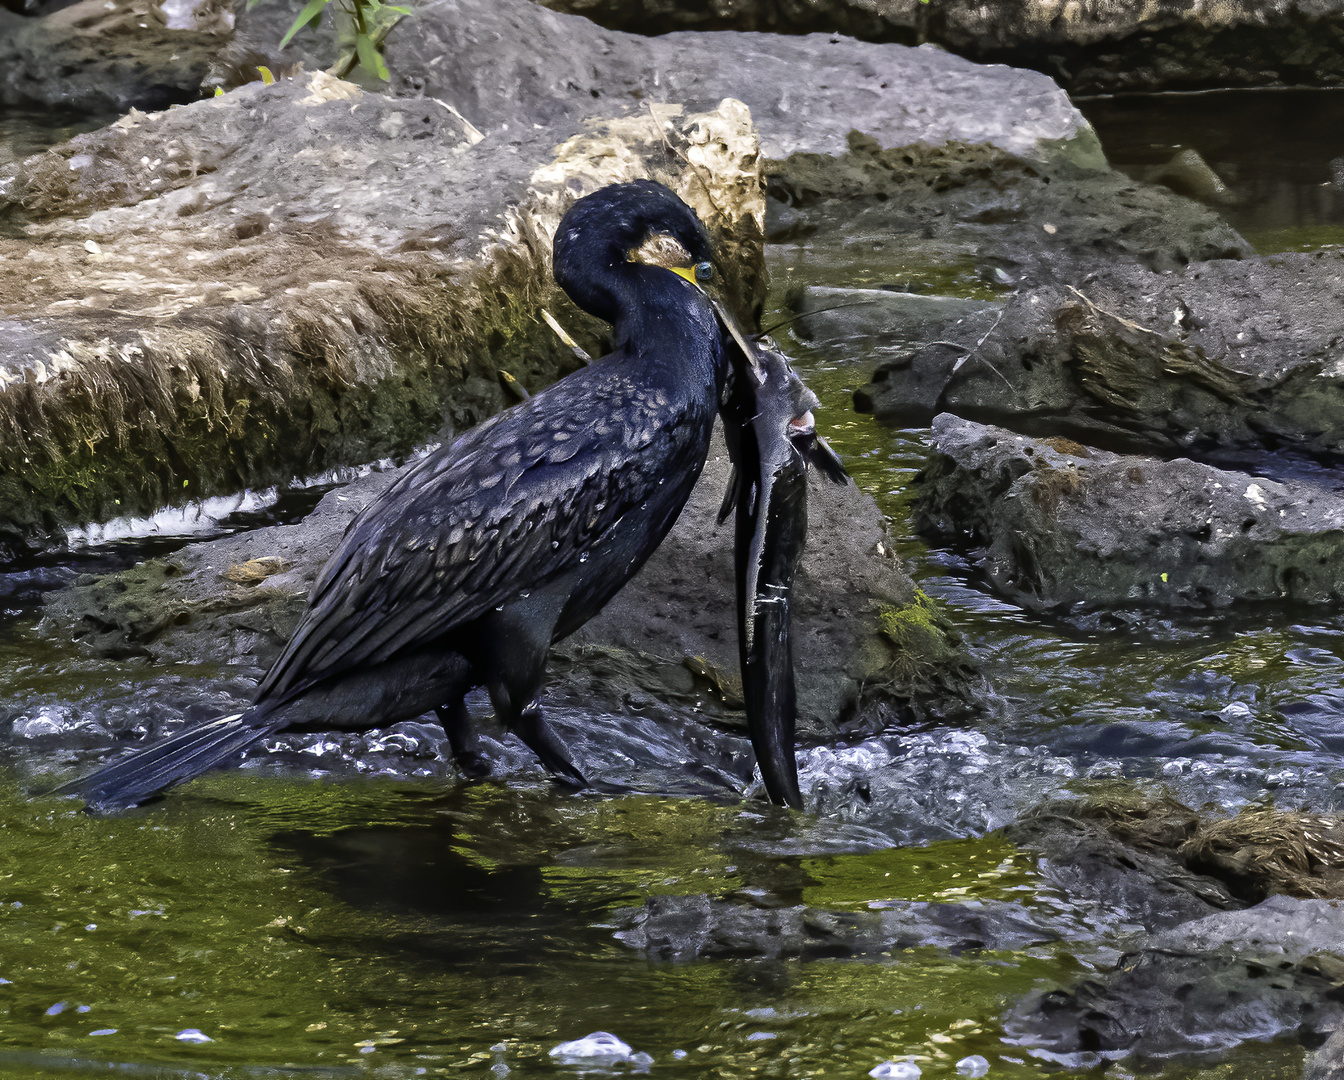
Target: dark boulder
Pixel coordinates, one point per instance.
(1105, 46)
(1224, 358)
(1063, 527)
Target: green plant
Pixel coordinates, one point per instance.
(361, 29)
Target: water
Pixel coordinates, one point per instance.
(1273, 148)
(347, 908)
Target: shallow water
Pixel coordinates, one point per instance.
(347, 908)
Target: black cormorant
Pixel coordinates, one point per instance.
(465, 570)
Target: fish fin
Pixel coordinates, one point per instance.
(731, 495)
(827, 461)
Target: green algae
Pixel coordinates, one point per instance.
(399, 926)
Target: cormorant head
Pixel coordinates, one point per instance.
(606, 235)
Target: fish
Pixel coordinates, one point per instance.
(772, 439)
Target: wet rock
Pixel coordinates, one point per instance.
(1099, 47)
(1328, 1062)
(1062, 527)
(1189, 174)
(191, 316)
(1224, 358)
(1272, 970)
(831, 315)
(974, 219)
(208, 604)
(1150, 888)
(682, 928)
(103, 56)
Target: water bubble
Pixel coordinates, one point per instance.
(896, 1070)
(583, 557)
(104, 1031)
(56, 1009)
(500, 1069)
(192, 1035)
(974, 1066)
(678, 1054)
(599, 1045)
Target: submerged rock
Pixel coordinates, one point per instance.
(1272, 970)
(1062, 527)
(682, 928)
(1187, 173)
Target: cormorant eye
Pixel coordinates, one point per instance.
(704, 271)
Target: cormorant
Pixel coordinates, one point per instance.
(465, 570)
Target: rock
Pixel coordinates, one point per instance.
(103, 56)
(235, 601)
(957, 216)
(1189, 174)
(831, 315)
(292, 326)
(1145, 888)
(1065, 528)
(1105, 46)
(806, 94)
(192, 315)
(1272, 970)
(1224, 358)
(1328, 1062)
(683, 928)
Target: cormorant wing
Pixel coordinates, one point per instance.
(501, 511)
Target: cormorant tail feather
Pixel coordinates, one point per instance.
(181, 757)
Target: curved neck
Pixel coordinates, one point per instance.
(666, 321)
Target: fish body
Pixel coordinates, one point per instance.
(771, 438)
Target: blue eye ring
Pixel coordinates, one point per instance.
(704, 271)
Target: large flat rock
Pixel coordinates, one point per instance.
(268, 283)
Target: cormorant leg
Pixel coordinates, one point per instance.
(532, 728)
(462, 738)
(530, 725)
(511, 649)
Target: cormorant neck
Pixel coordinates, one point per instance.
(666, 321)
